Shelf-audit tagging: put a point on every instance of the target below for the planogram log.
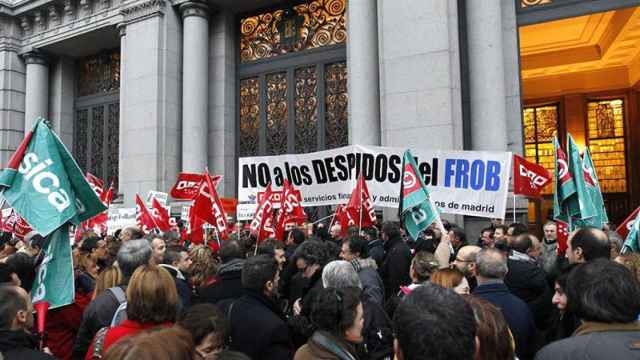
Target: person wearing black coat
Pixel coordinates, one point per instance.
(395, 267)
(376, 248)
(229, 284)
(257, 325)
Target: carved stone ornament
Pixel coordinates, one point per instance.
(38, 21)
(54, 18)
(193, 8)
(144, 9)
(25, 24)
(68, 10)
(85, 5)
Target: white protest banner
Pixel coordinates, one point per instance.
(162, 197)
(472, 183)
(121, 218)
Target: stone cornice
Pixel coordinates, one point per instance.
(35, 57)
(193, 8)
(143, 10)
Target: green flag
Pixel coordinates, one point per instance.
(580, 204)
(563, 184)
(593, 188)
(54, 280)
(416, 208)
(631, 242)
(43, 183)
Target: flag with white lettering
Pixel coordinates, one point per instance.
(593, 188)
(262, 224)
(188, 185)
(417, 211)
(360, 204)
(627, 224)
(290, 209)
(160, 215)
(562, 234)
(563, 184)
(144, 219)
(528, 178)
(44, 184)
(54, 280)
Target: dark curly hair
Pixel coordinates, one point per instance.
(315, 252)
(334, 310)
(203, 319)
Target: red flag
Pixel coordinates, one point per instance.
(160, 215)
(360, 205)
(207, 206)
(143, 216)
(626, 226)
(562, 235)
(529, 178)
(15, 224)
(197, 230)
(96, 184)
(107, 196)
(188, 185)
(290, 210)
(344, 218)
(262, 223)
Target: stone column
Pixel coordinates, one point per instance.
(363, 84)
(37, 88)
(195, 87)
(487, 75)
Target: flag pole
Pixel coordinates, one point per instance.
(325, 218)
(215, 232)
(360, 194)
(514, 206)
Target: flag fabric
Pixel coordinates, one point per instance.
(593, 188)
(96, 184)
(290, 210)
(207, 206)
(43, 183)
(581, 206)
(631, 241)
(160, 215)
(262, 224)
(528, 178)
(196, 226)
(54, 281)
(344, 218)
(98, 223)
(562, 236)
(360, 205)
(143, 217)
(16, 225)
(627, 225)
(563, 183)
(187, 185)
(417, 211)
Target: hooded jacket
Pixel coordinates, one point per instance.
(20, 345)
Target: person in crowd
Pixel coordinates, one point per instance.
(339, 318)
(335, 232)
(96, 249)
(564, 322)
(203, 268)
(451, 279)
(158, 248)
(130, 233)
(374, 244)
(631, 261)
(500, 236)
(294, 239)
(152, 300)
(427, 241)
(86, 270)
(493, 334)
(171, 262)
(527, 280)
(616, 242)
(108, 278)
(310, 257)
(514, 230)
(276, 249)
(397, 260)
(491, 268)
(99, 313)
(605, 296)
(458, 239)
(549, 246)
(588, 244)
(209, 330)
(486, 238)
(155, 344)
(113, 245)
(423, 266)
(16, 322)
(425, 321)
(257, 325)
(171, 239)
(24, 267)
(8, 276)
(229, 284)
(465, 261)
(356, 251)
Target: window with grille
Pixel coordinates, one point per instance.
(540, 124)
(605, 127)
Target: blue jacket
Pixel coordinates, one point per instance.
(516, 313)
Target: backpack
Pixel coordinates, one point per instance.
(121, 312)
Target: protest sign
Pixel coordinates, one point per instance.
(120, 218)
(461, 182)
(162, 197)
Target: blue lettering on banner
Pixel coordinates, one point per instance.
(478, 175)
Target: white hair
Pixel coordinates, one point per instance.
(340, 274)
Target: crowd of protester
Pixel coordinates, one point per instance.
(333, 293)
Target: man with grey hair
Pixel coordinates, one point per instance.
(100, 311)
(491, 268)
(377, 331)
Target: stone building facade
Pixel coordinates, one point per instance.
(143, 89)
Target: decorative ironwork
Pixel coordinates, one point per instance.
(336, 104)
(528, 3)
(80, 138)
(249, 116)
(306, 110)
(539, 125)
(277, 113)
(605, 123)
(97, 141)
(324, 23)
(99, 73)
(113, 144)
